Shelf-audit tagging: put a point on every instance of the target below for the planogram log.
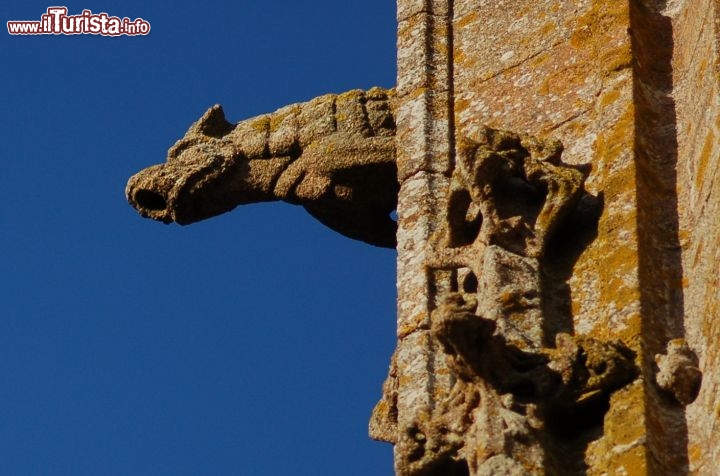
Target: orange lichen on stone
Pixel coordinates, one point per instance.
(616, 142)
(621, 450)
(602, 18)
(468, 20)
(601, 32)
(705, 157)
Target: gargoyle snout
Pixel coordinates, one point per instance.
(186, 190)
(149, 192)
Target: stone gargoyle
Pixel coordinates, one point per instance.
(334, 155)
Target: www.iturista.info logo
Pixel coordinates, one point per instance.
(57, 22)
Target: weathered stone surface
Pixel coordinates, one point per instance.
(630, 88)
(695, 58)
(334, 155)
(678, 373)
(506, 197)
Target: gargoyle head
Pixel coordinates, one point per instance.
(201, 178)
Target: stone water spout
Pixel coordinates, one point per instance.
(334, 155)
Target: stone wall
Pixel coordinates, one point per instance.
(630, 88)
(696, 93)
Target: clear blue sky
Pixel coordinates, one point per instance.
(254, 343)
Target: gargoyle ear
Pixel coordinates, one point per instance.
(213, 123)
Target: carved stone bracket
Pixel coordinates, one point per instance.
(678, 372)
(508, 194)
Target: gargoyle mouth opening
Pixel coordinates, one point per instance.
(150, 200)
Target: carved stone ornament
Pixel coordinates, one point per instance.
(334, 155)
(514, 383)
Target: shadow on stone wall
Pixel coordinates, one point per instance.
(660, 260)
(563, 251)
